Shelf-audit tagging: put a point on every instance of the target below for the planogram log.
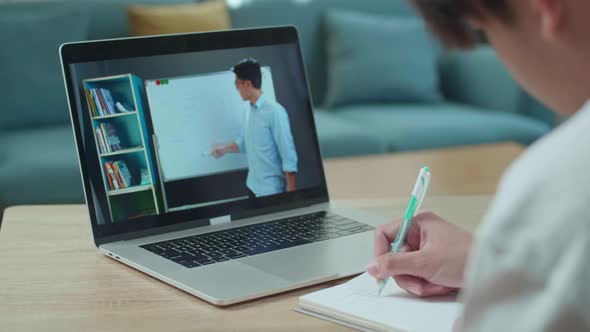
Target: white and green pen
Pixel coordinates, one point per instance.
(418, 195)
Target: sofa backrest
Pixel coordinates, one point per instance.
(474, 77)
(307, 16)
(478, 77)
(33, 31)
(31, 65)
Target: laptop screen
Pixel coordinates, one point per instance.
(180, 128)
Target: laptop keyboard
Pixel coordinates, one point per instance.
(204, 249)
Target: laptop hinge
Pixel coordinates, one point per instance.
(220, 220)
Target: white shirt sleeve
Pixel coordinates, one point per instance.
(516, 298)
(530, 264)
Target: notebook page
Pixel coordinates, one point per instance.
(394, 308)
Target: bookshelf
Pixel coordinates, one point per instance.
(121, 137)
(122, 151)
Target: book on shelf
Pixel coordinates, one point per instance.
(96, 102)
(101, 140)
(124, 172)
(102, 101)
(109, 102)
(112, 137)
(118, 175)
(103, 132)
(108, 139)
(113, 184)
(91, 103)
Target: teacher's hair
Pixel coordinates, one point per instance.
(249, 70)
(449, 19)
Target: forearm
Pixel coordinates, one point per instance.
(291, 181)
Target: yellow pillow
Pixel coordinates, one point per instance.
(166, 19)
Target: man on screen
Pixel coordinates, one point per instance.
(267, 140)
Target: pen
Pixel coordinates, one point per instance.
(416, 199)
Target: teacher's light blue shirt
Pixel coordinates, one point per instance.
(268, 144)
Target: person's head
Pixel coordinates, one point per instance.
(248, 77)
(544, 43)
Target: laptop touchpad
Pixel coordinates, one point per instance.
(342, 256)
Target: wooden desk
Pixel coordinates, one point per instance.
(460, 171)
(53, 279)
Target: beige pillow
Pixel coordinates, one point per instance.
(147, 20)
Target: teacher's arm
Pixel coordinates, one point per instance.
(291, 181)
(220, 151)
(281, 132)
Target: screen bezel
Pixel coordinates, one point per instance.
(100, 50)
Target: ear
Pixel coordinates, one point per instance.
(552, 17)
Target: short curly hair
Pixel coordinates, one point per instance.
(449, 19)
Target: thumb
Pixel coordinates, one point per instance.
(394, 263)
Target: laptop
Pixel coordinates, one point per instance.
(201, 165)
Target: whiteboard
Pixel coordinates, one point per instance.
(192, 114)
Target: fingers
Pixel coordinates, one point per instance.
(217, 152)
(386, 233)
(383, 237)
(394, 264)
(415, 285)
(420, 287)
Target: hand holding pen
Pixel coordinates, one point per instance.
(434, 257)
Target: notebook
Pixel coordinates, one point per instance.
(356, 304)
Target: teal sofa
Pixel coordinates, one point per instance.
(38, 162)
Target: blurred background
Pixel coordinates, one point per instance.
(380, 82)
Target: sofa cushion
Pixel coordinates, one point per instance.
(378, 59)
(339, 137)
(30, 70)
(109, 17)
(39, 166)
(415, 127)
(308, 16)
(177, 18)
(477, 77)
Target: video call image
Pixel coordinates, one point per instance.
(175, 132)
